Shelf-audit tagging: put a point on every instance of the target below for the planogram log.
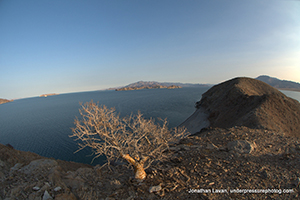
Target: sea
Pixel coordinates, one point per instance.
(43, 124)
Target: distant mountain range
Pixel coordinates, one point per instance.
(152, 83)
(155, 84)
(274, 82)
(280, 84)
(144, 85)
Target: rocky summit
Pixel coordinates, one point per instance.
(239, 155)
(251, 103)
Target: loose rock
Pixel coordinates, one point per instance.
(264, 174)
(46, 195)
(57, 189)
(241, 146)
(211, 146)
(155, 188)
(38, 165)
(36, 188)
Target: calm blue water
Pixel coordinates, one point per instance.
(294, 95)
(42, 125)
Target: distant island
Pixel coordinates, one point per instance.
(274, 82)
(4, 101)
(280, 84)
(157, 85)
(148, 87)
(45, 95)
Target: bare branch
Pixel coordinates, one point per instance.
(138, 140)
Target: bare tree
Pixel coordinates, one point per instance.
(138, 140)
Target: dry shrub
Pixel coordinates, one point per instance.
(138, 140)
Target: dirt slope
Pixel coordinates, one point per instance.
(251, 103)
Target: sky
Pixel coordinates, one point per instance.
(63, 46)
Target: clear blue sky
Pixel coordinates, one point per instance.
(74, 45)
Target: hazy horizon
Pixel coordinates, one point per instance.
(109, 88)
(73, 46)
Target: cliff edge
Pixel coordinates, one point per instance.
(251, 103)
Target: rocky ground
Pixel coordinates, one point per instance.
(208, 165)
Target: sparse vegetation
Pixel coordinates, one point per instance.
(135, 139)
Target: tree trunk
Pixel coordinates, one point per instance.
(139, 172)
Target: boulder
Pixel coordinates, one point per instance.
(46, 195)
(241, 146)
(57, 189)
(15, 168)
(156, 188)
(38, 165)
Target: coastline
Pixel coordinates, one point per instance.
(2, 101)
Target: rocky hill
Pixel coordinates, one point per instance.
(146, 85)
(46, 95)
(249, 102)
(240, 155)
(4, 101)
(143, 84)
(280, 84)
(153, 84)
